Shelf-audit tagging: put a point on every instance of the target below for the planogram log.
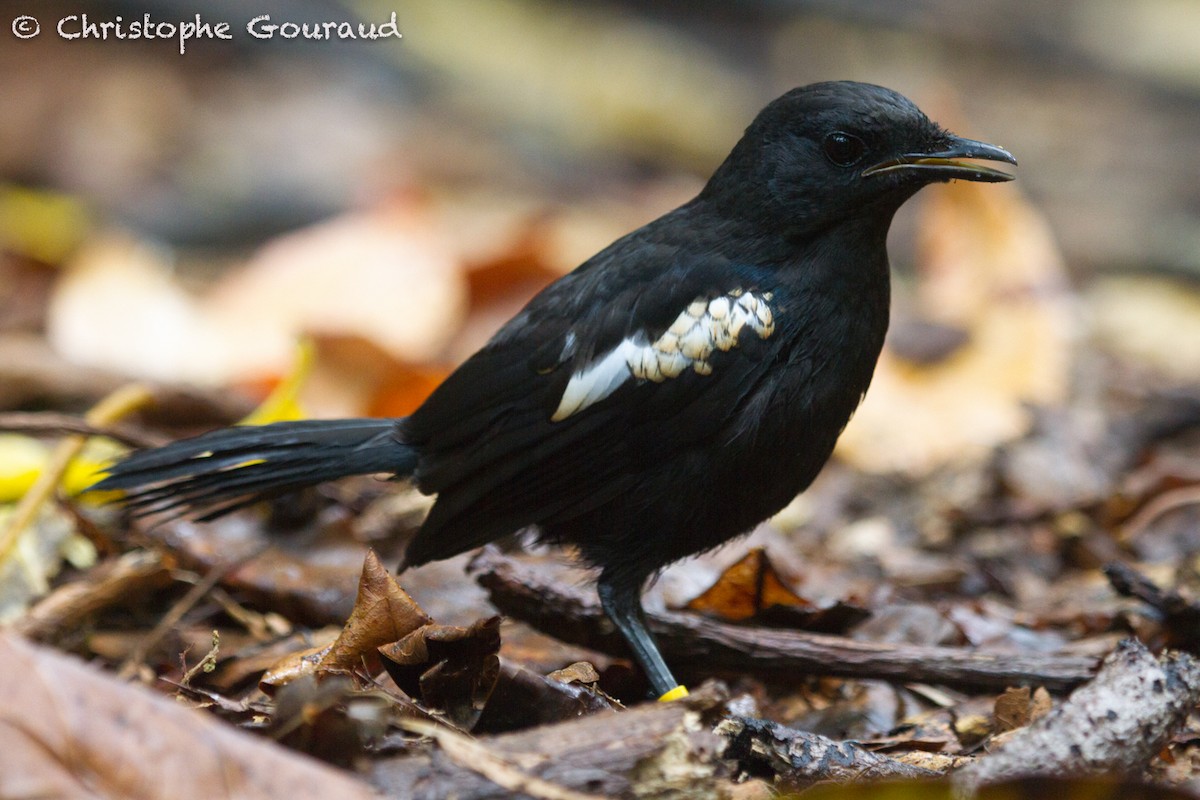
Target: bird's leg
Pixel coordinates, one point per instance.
(622, 602)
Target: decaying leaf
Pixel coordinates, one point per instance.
(26, 570)
(383, 613)
(579, 672)
(449, 668)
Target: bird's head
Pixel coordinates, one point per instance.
(844, 150)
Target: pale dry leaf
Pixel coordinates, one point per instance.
(1152, 321)
(989, 266)
(293, 666)
(72, 731)
(384, 275)
(119, 307)
(388, 276)
(37, 557)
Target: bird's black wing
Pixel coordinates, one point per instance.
(562, 409)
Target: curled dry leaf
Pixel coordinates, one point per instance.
(449, 668)
(579, 672)
(989, 266)
(292, 667)
(383, 612)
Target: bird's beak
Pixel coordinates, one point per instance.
(943, 164)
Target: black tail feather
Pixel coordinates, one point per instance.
(225, 470)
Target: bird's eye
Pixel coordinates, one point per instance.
(843, 148)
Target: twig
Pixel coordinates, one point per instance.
(171, 619)
(653, 750)
(469, 753)
(712, 646)
(1180, 617)
(50, 422)
(105, 413)
(205, 664)
(1163, 503)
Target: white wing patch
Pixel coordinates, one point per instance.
(703, 328)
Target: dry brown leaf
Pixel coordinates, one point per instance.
(355, 375)
(990, 267)
(520, 269)
(1040, 705)
(292, 667)
(579, 672)
(752, 589)
(1012, 709)
(383, 613)
(71, 731)
(746, 588)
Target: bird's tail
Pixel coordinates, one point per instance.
(224, 470)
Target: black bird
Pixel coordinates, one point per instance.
(669, 394)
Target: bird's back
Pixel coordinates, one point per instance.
(675, 460)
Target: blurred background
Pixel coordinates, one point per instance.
(187, 217)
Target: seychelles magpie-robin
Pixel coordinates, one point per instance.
(676, 389)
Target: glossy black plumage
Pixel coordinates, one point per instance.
(555, 424)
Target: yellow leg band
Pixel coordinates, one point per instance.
(677, 693)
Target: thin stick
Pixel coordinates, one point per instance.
(170, 620)
(203, 664)
(470, 754)
(51, 422)
(106, 412)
